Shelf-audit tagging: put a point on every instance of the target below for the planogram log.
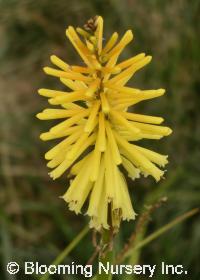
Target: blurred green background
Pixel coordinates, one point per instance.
(35, 224)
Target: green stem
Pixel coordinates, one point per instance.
(67, 250)
(162, 230)
(107, 255)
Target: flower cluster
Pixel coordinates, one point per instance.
(97, 130)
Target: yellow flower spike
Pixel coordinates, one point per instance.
(97, 130)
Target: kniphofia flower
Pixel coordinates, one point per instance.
(97, 130)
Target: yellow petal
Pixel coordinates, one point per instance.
(133, 172)
(127, 209)
(113, 144)
(96, 192)
(96, 164)
(104, 103)
(58, 159)
(51, 93)
(67, 75)
(131, 61)
(99, 34)
(78, 45)
(63, 144)
(68, 97)
(73, 85)
(49, 136)
(129, 71)
(111, 42)
(156, 158)
(101, 138)
(67, 163)
(120, 119)
(82, 32)
(69, 122)
(50, 114)
(59, 62)
(142, 118)
(91, 119)
(109, 175)
(139, 159)
(126, 39)
(154, 129)
(76, 146)
(75, 198)
(92, 88)
(76, 168)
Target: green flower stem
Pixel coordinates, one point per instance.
(67, 250)
(161, 230)
(107, 255)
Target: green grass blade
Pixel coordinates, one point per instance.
(162, 230)
(67, 250)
